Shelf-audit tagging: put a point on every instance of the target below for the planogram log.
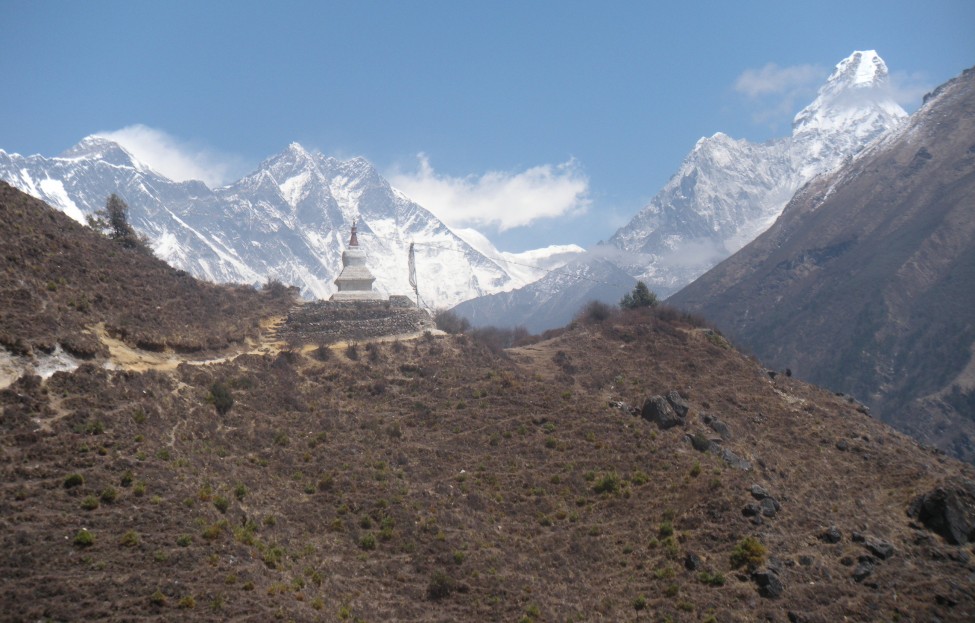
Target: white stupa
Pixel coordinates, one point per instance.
(355, 280)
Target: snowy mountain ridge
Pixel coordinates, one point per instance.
(727, 191)
(288, 220)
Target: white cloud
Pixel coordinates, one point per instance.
(774, 80)
(907, 89)
(502, 200)
(177, 159)
(776, 90)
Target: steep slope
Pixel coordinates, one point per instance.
(60, 280)
(289, 220)
(864, 284)
(727, 191)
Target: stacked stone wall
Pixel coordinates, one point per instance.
(326, 322)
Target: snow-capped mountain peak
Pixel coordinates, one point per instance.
(856, 94)
(287, 220)
(727, 191)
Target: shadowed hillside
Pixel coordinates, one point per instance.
(865, 284)
(60, 279)
(632, 467)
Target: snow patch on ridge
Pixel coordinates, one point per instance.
(54, 192)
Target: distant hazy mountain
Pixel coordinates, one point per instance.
(866, 283)
(553, 300)
(289, 220)
(728, 191)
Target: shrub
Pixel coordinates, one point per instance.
(139, 489)
(129, 539)
(322, 353)
(84, 538)
(187, 602)
(696, 469)
(711, 578)
(221, 398)
(157, 598)
(609, 483)
(449, 322)
(184, 540)
(368, 541)
(240, 491)
(352, 351)
(441, 585)
(90, 503)
(74, 480)
(595, 312)
(126, 480)
(640, 603)
(749, 551)
(109, 495)
(221, 503)
(666, 529)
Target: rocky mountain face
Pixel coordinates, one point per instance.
(865, 283)
(289, 221)
(727, 191)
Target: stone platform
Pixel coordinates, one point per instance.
(327, 322)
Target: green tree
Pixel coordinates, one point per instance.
(641, 296)
(114, 220)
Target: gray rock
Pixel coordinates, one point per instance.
(751, 510)
(769, 507)
(831, 535)
(692, 562)
(881, 549)
(734, 460)
(758, 492)
(948, 511)
(657, 409)
(843, 445)
(678, 403)
(864, 568)
(769, 584)
(718, 426)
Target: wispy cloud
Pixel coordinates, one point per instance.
(177, 159)
(908, 88)
(775, 92)
(497, 199)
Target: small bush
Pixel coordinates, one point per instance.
(449, 322)
(157, 598)
(441, 585)
(139, 489)
(187, 602)
(749, 551)
(711, 578)
(640, 603)
(129, 539)
(595, 312)
(109, 495)
(221, 398)
(696, 469)
(221, 503)
(322, 353)
(184, 540)
(84, 538)
(90, 503)
(666, 529)
(368, 541)
(352, 351)
(126, 480)
(74, 480)
(609, 483)
(240, 491)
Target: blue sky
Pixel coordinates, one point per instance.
(537, 122)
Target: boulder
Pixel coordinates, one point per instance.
(718, 426)
(864, 568)
(881, 549)
(769, 584)
(948, 511)
(678, 403)
(657, 409)
(831, 535)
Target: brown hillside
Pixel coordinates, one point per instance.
(58, 280)
(866, 283)
(433, 480)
